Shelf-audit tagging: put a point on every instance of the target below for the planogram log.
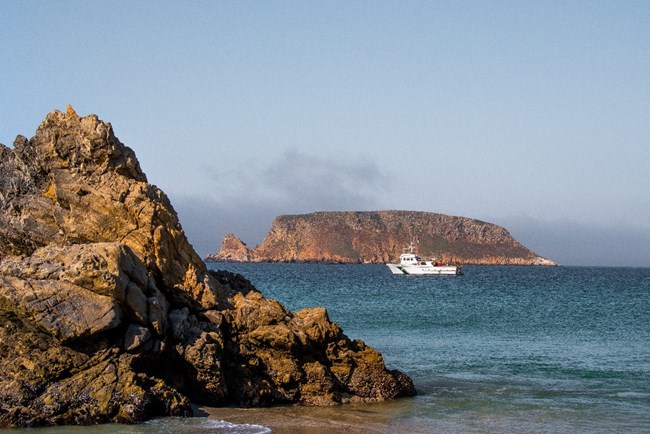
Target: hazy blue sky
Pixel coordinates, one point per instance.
(532, 115)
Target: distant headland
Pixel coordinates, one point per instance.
(379, 237)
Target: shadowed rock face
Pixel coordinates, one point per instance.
(379, 237)
(108, 315)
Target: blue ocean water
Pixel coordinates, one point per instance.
(499, 349)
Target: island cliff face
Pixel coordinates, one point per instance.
(380, 237)
(107, 314)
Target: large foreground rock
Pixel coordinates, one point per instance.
(108, 315)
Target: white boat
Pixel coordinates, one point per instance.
(410, 263)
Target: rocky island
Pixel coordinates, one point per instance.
(107, 314)
(379, 237)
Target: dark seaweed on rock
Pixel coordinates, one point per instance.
(107, 314)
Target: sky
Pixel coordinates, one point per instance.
(531, 115)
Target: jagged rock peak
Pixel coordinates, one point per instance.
(75, 182)
(99, 150)
(107, 314)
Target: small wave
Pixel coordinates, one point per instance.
(239, 428)
(637, 395)
(204, 425)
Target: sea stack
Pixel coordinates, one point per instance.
(232, 249)
(107, 314)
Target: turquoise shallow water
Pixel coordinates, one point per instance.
(499, 349)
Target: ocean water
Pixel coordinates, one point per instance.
(499, 349)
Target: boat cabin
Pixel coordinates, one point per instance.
(409, 259)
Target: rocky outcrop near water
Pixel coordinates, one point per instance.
(232, 249)
(107, 314)
(380, 237)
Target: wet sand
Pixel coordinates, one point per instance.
(353, 418)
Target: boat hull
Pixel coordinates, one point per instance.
(425, 270)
